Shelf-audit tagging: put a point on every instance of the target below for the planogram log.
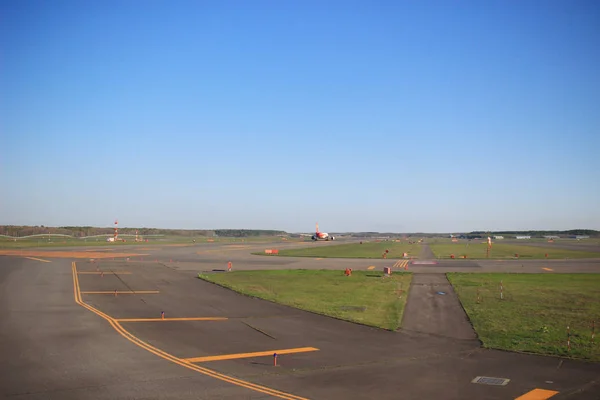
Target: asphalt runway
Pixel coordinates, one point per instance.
(66, 334)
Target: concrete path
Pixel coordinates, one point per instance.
(433, 307)
(426, 253)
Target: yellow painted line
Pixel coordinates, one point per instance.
(400, 263)
(133, 339)
(250, 355)
(537, 394)
(318, 258)
(171, 319)
(124, 292)
(38, 259)
(547, 269)
(106, 272)
(371, 267)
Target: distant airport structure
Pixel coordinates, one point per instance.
(498, 237)
(523, 237)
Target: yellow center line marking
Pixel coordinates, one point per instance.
(547, 269)
(537, 394)
(250, 355)
(133, 339)
(105, 272)
(318, 258)
(38, 259)
(123, 292)
(371, 267)
(171, 319)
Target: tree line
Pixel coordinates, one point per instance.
(83, 231)
(537, 233)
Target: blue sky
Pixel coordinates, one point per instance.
(435, 116)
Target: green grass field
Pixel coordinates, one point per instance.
(354, 250)
(477, 250)
(535, 312)
(364, 297)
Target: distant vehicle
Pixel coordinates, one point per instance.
(321, 235)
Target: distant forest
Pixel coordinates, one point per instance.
(572, 232)
(589, 232)
(83, 231)
(474, 234)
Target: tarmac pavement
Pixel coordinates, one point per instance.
(54, 347)
(433, 307)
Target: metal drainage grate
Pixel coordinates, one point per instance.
(486, 380)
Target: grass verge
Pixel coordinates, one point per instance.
(353, 250)
(535, 312)
(478, 250)
(365, 297)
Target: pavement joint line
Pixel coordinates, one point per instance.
(123, 332)
(537, 394)
(103, 272)
(171, 319)
(122, 292)
(258, 330)
(250, 355)
(38, 259)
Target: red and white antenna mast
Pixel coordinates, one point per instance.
(116, 229)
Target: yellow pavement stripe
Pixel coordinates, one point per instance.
(371, 267)
(400, 263)
(123, 292)
(106, 272)
(318, 258)
(169, 357)
(249, 355)
(537, 394)
(547, 269)
(171, 319)
(38, 259)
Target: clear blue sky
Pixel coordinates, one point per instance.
(362, 115)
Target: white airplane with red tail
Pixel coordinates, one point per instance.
(322, 235)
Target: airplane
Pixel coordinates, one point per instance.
(321, 235)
